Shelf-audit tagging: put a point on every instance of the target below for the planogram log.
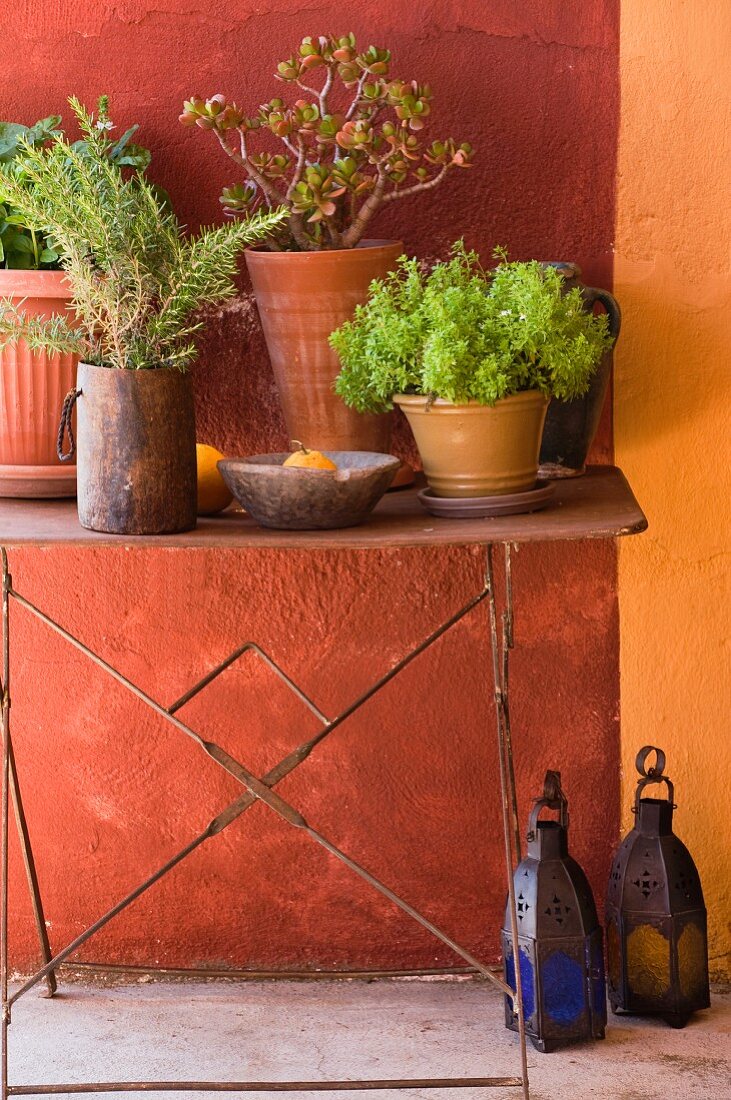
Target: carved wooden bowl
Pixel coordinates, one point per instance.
(294, 498)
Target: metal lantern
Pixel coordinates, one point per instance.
(657, 952)
(559, 936)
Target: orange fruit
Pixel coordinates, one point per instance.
(213, 493)
(310, 460)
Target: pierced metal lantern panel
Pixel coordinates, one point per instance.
(657, 953)
(559, 936)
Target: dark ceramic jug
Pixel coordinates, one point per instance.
(571, 425)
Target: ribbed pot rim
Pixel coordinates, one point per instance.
(261, 255)
(34, 284)
(417, 400)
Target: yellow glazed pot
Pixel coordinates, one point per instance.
(478, 450)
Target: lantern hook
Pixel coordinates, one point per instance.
(553, 799)
(552, 787)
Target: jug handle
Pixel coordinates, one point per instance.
(591, 294)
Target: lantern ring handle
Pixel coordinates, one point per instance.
(653, 774)
(655, 771)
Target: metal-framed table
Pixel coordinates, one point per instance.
(599, 505)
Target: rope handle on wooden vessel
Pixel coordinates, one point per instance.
(66, 427)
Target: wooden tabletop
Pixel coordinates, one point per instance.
(598, 505)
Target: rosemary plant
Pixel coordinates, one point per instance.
(138, 281)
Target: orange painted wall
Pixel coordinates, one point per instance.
(672, 437)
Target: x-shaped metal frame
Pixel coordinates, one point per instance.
(257, 790)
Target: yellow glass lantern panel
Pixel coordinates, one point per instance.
(648, 961)
(692, 961)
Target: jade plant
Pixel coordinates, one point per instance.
(462, 333)
(138, 280)
(351, 143)
(20, 246)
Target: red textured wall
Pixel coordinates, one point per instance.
(409, 785)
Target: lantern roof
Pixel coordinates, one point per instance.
(553, 897)
(653, 872)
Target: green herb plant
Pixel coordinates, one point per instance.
(350, 146)
(20, 246)
(462, 333)
(138, 281)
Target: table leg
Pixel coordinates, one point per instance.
(14, 791)
(507, 774)
(30, 870)
(507, 645)
(5, 1007)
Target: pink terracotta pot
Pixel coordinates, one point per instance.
(32, 388)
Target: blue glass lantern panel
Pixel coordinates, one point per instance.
(562, 985)
(527, 980)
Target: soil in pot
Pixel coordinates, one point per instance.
(302, 297)
(136, 451)
(475, 450)
(32, 388)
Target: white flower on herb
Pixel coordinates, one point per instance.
(504, 312)
(104, 124)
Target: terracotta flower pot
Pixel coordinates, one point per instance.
(477, 450)
(136, 450)
(32, 388)
(302, 298)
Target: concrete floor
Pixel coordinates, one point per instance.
(345, 1029)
